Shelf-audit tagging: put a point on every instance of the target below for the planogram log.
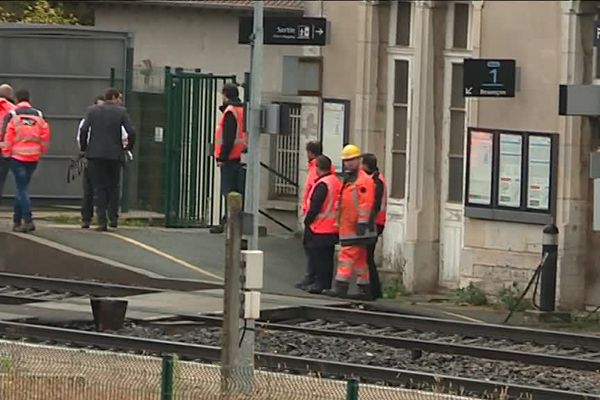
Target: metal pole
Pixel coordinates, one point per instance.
(168, 362)
(253, 175)
(253, 178)
(230, 352)
(352, 390)
(548, 284)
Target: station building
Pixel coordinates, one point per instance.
(390, 79)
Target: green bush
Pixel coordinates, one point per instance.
(509, 298)
(472, 295)
(393, 288)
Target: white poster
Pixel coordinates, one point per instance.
(480, 164)
(509, 179)
(538, 174)
(333, 131)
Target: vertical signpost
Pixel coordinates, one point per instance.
(277, 30)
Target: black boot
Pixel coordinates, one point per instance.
(364, 293)
(340, 289)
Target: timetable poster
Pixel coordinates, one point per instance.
(480, 166)
(334, 117)
(509, 179)
(538, 189)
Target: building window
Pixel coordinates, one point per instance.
(461, 26)
(457, 135)
(403, 23)
(400, 128)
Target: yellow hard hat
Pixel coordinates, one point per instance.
(350, 151)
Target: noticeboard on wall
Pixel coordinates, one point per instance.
(335, 127)
(511, 175)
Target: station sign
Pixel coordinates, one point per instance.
(298, 31)
(489, 78)
(597, 33)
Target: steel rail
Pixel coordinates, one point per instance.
(296, 364)
(575, 363)
(72, 286)
(426, 324)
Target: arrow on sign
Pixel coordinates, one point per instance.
(319, 32)
(469, 90)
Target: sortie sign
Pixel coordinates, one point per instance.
(297, 31)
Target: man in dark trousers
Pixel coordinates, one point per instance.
(6, 106)
(231, 140)
(378, 218)
(87, 203)
(320, 225)
(104, 136)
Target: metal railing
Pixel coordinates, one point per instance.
(287, 152)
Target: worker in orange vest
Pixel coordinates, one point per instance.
(378, 217)
(354, 213)
(313, 150)
(26, 140)
(231, 140)
(320, 225)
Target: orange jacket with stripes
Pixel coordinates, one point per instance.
(356, 204)
(325, 222)
(27, 134)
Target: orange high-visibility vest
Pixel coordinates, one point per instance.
(27, 137)
(382, 214)
(356, 203)
(311, 180)
(326, 221)
(241, 137)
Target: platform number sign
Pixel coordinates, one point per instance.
(597, 33)
(489, 78)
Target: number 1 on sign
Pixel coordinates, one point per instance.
(494, 73)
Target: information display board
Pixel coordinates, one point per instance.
(539, 172)
(335, 125)
(509, 181)
(511, 175)
(480, 178)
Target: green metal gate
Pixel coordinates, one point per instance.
(192, 188)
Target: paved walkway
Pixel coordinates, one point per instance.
(179, 253)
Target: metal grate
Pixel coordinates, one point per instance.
(287, 153)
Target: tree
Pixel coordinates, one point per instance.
(39, 12)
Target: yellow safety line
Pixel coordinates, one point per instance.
(165, 255)
(464, 317)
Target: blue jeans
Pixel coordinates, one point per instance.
(22, 172)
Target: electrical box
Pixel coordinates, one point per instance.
(252, 269)
(275, 119)
(251, 305)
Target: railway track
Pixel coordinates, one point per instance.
(24, 289)
(326, 368)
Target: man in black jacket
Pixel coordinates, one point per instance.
(87, 203)
(104, 136)
(320, 247)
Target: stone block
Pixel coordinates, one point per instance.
(481, 271)
(502, 273)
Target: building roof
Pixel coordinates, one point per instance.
(295, 6)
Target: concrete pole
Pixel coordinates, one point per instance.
(230, 352)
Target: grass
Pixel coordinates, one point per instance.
(64, 219)
(472, 295)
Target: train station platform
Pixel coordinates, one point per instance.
(146, 253)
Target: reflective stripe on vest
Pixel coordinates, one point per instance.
(326, 221)
(27, 144)
(241, 138)
(382, 214)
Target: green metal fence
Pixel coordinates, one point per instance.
(192, 191)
